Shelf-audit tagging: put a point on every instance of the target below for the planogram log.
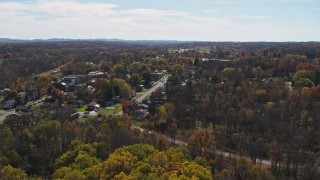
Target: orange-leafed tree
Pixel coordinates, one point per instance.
(201, 143)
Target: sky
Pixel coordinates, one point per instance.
(186, 20)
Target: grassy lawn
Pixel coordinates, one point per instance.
(85, 120)
(83, 109)
(140, 93)
(137, 122)
(170, 50)
(111, 110)
(205, 49)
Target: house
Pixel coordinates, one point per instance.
(32, 95)
(133, 93)
(72, 79)
(93, 106)
(51, 102)
(141, 114)
(5, 92)
(97, 74)
(9, 104)
(60, 86)
(138, 88)
(25, 109)
(70, 92)
(207, 63)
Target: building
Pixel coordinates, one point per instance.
(32, 95)
(9, 104)
(25, 109)
(72, 79)
(97, 74)
(93, 106)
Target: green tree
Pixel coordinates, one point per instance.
(135, 79)
(143, 161)
(75, 174)
(119, 68)
(3, 161)
(303, 82)
(303, 74)
(11, 173)
(80, 156)
(107, 91)
(147, 79)
(124, 88)
(135, 67)
(118, 162)
(61, 173)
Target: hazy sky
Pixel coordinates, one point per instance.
(204, 20)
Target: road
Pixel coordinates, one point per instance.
(5, 113)
(225, 154)
(87, 113)
(153, 89)
(150, 91)
(140, 99)
(55, 69)
(182, 143)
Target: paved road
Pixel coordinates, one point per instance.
(32, 103)
(153, 89)
(225, 154)
(55, 69)
(150, 91)
(87, 113)
(5, 113)
(182, 143)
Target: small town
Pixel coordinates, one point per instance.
(159, 90)
(74, 97)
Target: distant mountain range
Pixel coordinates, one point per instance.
(8, 40)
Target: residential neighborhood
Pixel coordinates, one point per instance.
(73, 87)
(159, 90)
(220, 104)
